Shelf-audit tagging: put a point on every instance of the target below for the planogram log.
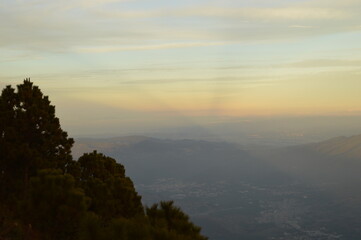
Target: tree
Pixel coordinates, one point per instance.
(112, 193)
(30, 136)
(170, 222)
(44, 194)
(54, 206)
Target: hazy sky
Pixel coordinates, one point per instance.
(144, 63)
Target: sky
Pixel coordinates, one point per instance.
(143, 64)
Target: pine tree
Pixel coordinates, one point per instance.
(54, 206)
(170, 222)
(112, 193)
(44, 194)
(30, 137)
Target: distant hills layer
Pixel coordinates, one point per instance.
(84, 145)
(145, 158)
(334, 162)
(349, 147)
(340, 146)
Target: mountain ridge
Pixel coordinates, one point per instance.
(341, 146)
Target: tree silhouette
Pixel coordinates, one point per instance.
(112, 193)
(45, 194)
(30, 136)
(170, 222)
(54, 206)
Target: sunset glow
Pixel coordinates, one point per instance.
(170, 58)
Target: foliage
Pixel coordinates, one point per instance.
(45, 194)
(30, 136)
(112, 193)
(170, 222)
(54, 205)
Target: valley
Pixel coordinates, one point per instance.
(289, 193)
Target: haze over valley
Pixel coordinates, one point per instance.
(307, 191)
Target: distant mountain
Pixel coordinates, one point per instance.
(349, 147)
(148, 159)
(335, 162)
(84, 145)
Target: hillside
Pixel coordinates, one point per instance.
(348, 147)
(334, 164)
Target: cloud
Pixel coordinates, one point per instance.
(302, 26)
(147, 47)
(284, 13)
(64, 4)
(321, 63)
(291, 13)
(106, 26)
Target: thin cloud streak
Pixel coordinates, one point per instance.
(269, 13)
(232, 13)
(148, 47)
(322, 63)
(302, 26)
